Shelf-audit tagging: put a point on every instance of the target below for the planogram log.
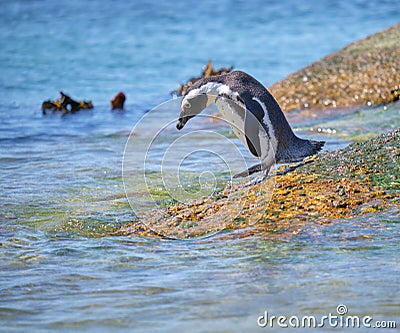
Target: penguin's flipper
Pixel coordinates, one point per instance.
(252, 130)
(234, 114)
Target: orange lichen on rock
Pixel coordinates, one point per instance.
(337, 185)
(297, 198)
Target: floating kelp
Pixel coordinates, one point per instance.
(65, 104)
(208, 71)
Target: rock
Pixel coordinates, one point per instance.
(366, 72)
(118, 101)
(360, 179)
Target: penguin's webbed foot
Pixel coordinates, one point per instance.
(249, 171)
(258, 180)
(291, 168)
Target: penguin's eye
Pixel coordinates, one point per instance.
(187, 105)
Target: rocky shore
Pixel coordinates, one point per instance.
(359, 180)
(366, 72)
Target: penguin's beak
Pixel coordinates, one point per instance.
(190, 107)
(181, 122)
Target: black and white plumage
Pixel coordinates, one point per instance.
(254, 116)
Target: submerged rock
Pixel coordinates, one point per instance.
(366, 72)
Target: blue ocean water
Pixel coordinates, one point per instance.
(61, 183)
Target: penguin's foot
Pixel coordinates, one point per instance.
(260, 179)
(294, 167)
(249, 171)
(255, 181)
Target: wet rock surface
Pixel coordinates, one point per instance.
(366, 72)
(363, 178)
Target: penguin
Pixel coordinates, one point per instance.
(254, 116)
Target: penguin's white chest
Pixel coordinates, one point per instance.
(234, 115)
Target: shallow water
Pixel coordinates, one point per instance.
(61, 182)
(65, 282)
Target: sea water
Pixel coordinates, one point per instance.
(62, 190)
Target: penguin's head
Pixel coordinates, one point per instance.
(192, 104)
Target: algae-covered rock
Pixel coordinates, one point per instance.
(360, 179)
(366, 72)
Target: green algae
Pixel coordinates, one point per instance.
(360, 179)
(376, 160)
